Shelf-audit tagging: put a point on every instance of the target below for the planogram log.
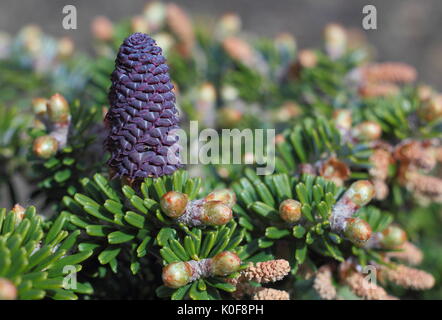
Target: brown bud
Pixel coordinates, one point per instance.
(431, 109)
(39, 106)
(225, 263)
(335, 170)
(361, 192)
(226, 196)
(177, 274)
(290, 210)
(216, 213)
(393, 237)
(58, 109)
(174, 204)
(368, 131)
(357, 230)
(45, 146)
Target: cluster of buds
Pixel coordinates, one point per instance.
(261, 272)
(213, 210)
(178, 274)
(355, 229)
(366, 131)
(8, 290)
(54, 116)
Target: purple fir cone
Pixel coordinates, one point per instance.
(142, 113)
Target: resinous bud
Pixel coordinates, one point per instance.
(45, 146)
(361, 192)
(368, 131)
(357, 230)
(290, 210)
(174, 204)
(39, 106)
(431, 109)
(393, 237)
(226, 196)
(58, 109)
(216, 213)
(225, 263)
(177, 274)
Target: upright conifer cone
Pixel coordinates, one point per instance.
(142, 113)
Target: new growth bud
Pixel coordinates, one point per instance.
(225, 263)
(216, 213)
(431, 109)
(358, 195)
(58, 109)
(209, 211)
(357, 231)
(177, 274)
(393, 237)
(367, 131)
(226, 196)
(45, 146)
(174, 204)
(39, 106)
(290, 210)
(361, 192)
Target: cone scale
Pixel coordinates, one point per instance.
(142, 116)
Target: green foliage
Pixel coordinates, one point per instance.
(38, 256)
(118, 220)
(318, 139)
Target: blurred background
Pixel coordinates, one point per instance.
(408, 30)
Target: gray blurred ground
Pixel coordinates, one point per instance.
(408, 30)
